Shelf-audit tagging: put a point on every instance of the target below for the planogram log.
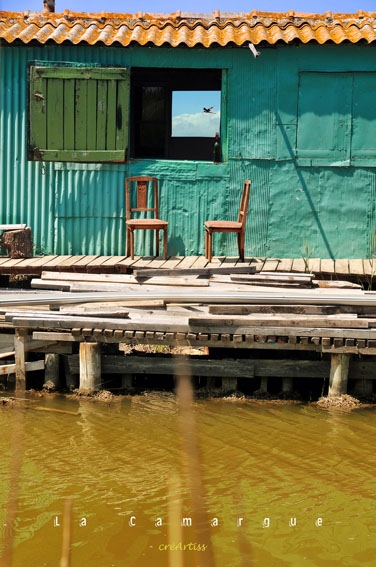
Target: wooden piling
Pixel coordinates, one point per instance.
(71, 380)
(51, 370)
(287, 385)
(339, 372)
(229, 384)
(90, 367)
(20, 338)
(126, 381)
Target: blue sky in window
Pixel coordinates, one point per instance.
(188, 116)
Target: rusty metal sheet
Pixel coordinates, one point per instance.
(184, 28)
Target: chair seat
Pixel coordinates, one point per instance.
(149, 223)
(223, 225)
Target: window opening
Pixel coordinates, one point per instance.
(176, 113)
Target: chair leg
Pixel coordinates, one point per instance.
(131, 243)
(209, 252)
(165, 244)
(241, 245)
(157, 241)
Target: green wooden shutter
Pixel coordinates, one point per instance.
(79, 114)
(324, 118)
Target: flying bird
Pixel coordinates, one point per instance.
(208, 110)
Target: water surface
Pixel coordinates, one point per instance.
(253, 483)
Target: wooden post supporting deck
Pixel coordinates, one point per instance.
(229, 384)
(287, 385)
(51, 372)
(263, 390)
(339, 372)
(90, 367)
(20, 339)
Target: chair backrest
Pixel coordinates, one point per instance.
(242, 217)
(137, 192)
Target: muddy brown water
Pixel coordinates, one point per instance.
(263, 484)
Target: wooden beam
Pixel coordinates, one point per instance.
(204, 272)
(29, 367)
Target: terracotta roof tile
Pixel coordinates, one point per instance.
(183, 28)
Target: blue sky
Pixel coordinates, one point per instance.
(132, 6)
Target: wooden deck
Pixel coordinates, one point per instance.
(158, 303)
(358, 269)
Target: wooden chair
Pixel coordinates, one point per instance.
(146, 203)
(229, 226)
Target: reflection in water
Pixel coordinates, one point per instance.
(279, 484)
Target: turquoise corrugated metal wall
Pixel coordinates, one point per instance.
(79, 208)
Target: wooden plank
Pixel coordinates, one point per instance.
(55, 118)
(79, 277)
(296, 275)
(93, 311)
(137, 262)
(356, 267)
(39, 262)
(114, 260)
(138, 304)
(298, 309)
(69, 262)
(10, 263)
(201, 262)
(285, 265)
(271, 265)
(207, 272)
(80, 286)
(12, 226)
(201, 366)
(29, 367)
(85, 260)
(159, 323)
(100, 260)
(268, 277)
(292, 320)
(171, 365)
(369, 266)
(196, 325)
(294, 331)
(314, 265)
(258, 263)
(171, 262)
(336, 284)
(327, 266)
(342, 267)
(102, 264)
(31, 262)
(68, 110)
(298, 265)
(111, 115)
(53, 336)
(187, 262)
(56, 261)
(53, 285)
